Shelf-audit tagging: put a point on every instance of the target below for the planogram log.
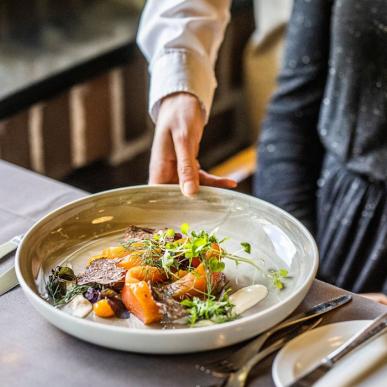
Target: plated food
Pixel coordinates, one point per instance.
(85, 228)
(163, 276)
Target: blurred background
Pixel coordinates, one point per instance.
(73, 90)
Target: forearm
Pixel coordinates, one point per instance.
(180, 39)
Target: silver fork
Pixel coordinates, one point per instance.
(237, 359)
(239, 378)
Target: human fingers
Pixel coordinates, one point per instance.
(216, 181)
(187, 166)
(162, 167)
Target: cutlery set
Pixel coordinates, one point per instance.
(239, 358)
(234, 369)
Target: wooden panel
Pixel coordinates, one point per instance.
(135, 96)
(14, 140)
(56, 136)
(97, 115)
(238, 167)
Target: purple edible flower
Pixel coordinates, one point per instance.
(92, 295)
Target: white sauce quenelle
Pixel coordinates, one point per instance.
(247, 297)
(78, 307)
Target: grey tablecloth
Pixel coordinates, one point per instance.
(34, 353)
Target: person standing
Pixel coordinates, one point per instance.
(323, 146)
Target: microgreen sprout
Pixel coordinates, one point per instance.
(216, 310)
(171, 251)
(277, 277)
(246, 247)
(215, 265)
(184, 228)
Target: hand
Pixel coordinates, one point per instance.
(179, 129)
(377, 297)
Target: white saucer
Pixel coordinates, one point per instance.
(365, 367)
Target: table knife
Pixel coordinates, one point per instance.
(361, 338)
(8, 278)
(10, 246)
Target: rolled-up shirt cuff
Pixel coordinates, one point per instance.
(181, 71)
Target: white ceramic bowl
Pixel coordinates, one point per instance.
(76, 230)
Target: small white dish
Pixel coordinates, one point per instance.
(366, 367)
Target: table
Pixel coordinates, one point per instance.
(35, 353)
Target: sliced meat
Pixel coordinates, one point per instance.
(103, 271)
(219, 285)
(135, 232)
(170, 309)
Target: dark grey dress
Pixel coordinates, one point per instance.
(323, 149)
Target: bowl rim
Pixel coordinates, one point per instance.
(34, 297)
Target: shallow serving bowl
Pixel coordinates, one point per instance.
(77, 230)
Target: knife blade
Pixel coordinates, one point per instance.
(10, 246)
(8, 280)
(357, 341)
(324, 307)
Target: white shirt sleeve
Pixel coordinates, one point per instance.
(180, 39)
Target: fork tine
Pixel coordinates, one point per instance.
(212, 364)
(218, 366)
(217, 370)
(225, 366)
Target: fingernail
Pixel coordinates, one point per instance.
(189, 188)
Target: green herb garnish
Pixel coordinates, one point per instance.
(171, 255)
(246, 247)
(184, 228)
(215, 265)
(277, 276)
(62, 287)
(57, 283)
(216, 310)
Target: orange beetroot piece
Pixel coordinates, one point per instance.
(130, 260)
(145, 273)
(138, 299)
(192, 284)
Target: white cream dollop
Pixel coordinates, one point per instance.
(78, 307)
(247, 297)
